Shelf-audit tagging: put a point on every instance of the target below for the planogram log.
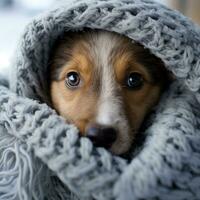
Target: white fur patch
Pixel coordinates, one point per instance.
(110, 109)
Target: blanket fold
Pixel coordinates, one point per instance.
(43, 132)
(42, 157)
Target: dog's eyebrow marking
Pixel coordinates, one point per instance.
(61, 54)
(153, 65)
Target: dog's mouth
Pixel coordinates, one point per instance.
(122, 144)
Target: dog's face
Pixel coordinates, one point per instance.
(105, 85)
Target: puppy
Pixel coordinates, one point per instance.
(105, 84)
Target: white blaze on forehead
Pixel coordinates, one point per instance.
(109, 105)
(110, 109)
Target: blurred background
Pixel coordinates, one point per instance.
(15, 14)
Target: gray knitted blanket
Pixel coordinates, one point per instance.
(43, 158)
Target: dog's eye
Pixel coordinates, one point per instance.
(72, 79)
(134, 80)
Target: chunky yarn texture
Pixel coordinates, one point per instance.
(42, 157)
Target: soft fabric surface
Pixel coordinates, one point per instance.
(42, 157)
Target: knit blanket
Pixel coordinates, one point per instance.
(43, 158)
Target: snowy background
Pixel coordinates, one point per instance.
(14, 15)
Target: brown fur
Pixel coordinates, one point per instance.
(80, 106)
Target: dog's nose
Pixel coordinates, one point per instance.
(101, 136)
